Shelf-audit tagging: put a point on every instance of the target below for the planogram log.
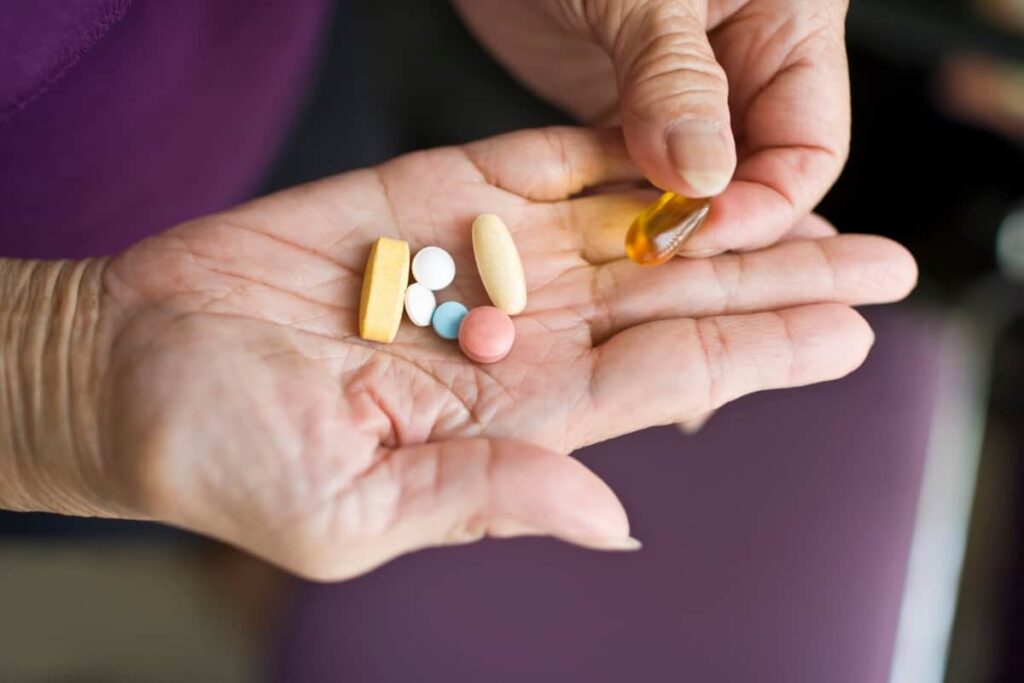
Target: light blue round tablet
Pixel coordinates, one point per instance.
(448, 318)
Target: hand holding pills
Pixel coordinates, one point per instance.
(402, 357)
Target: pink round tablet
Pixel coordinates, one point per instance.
(486, 334)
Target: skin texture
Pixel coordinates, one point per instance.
(235, 398)
(766, 80)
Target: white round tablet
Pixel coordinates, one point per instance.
(419, 304)
(433, 267)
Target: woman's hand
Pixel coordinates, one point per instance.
(696, 84)
(232, 395)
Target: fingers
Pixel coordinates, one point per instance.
(548, 164)
(675, 370)
(460, 491)
(849, 269)
(674, 97)
(791, 93)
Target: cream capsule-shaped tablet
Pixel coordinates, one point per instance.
(383, 296)
(498, 262)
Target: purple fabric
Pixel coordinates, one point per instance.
(775, 549)
(122, 117)
(43, 40)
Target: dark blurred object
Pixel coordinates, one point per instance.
(400, 76)
(1008, 13)
(986, 92)
(987, 641)
(925, 32)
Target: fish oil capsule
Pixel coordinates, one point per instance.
(663, 227)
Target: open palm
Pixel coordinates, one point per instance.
(241, 403)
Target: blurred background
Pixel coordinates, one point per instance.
(885, 544)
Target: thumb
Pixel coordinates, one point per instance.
(674, 98)
(456, 492)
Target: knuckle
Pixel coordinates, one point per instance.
(729, 273)
(687, 85)
(788, 351)
(663, 59)
(713, 346)
(562, 170)
(831, 267)
(602, 316)
(673, 67)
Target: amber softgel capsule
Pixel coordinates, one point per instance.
(663, 227)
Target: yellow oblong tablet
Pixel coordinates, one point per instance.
(498, 262)
(384, 283)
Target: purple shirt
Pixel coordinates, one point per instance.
(119, 118)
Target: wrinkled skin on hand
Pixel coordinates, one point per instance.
(239, 401)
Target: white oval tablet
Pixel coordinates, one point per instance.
(419, 304)
(433, 267)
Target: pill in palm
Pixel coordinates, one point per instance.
(498, 262)
(433, 267)
(419, 304)
(486, 334)
(384, 281)
(448, 318)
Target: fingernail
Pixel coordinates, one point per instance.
(700, 153)
(628, 544)
(693, 426)
(702, 252)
